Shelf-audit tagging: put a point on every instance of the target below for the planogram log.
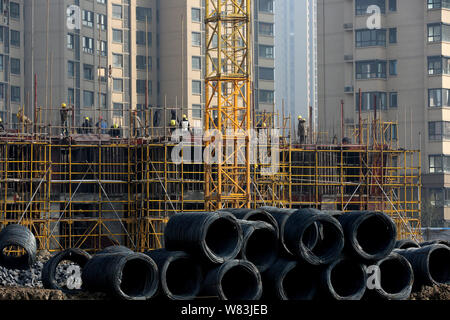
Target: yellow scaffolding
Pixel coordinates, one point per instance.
(93, 194)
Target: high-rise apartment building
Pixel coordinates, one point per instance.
(264, 55)
(397, 54)
(101, 56)
(12, 94)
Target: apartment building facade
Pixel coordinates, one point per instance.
(264, 55)
(399, 60)
(12, 94)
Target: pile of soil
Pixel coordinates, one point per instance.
(30, 294)
(441, 292)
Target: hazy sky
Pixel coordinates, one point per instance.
(291, 56)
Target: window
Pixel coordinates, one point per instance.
(141, 63)
(88, 72)
(438, 4)
(197, 111)
(14, 10)
(266, 6)
(438, 32)
(118, 85)
(70, 96)
(393, 99)
(143, 14)
(196, 15)
(15, 38)
(196, 63)
(434, 32)
(368, 101)
(266, 73)
(15, 66)
(70, 41)
(103, 100)
(117, 35)
(392, 5)
(438, 98)
(102, 48)
(438, 65)
(117, 11)
(196, 39)
(88, 18)
(88, 98)
(101, 21)
(88, 45)
(140, 87)
(266, 96)
(140, 38)
(390, 132)
(439, 197)
(439, 163)
(70, 69)
(266, 52)
(117, 60)
(392, 35)
(118, 109)
(266, 29)
(2, 91)
(2, 63)
(369, 38)
(439, 130)
(371, 69)
(2, 30)
(392, 67)
(196, 87)
(362, 5)
(15, 94)
(101, 72)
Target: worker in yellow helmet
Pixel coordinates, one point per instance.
(115, 131)
(301, 130)
(173, 122)
(63, 113)
(87, 125)
(185, 126)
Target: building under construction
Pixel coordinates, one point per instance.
(92, 190)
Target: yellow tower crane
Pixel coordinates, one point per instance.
(228, 103)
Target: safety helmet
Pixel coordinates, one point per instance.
(115, 126)
(1, 120)
(63, 105)
(300, 118)
(184, 116)
(264, 125)
(87, 118)
(173, 122)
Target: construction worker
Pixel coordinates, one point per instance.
(2, 128)
(63, 113)
(301, 130)
(185, 125)
(173, 122)
(216, 122)
(87, 125)
(137, 124)
(23, 119)
(115, 131)
(101, 125)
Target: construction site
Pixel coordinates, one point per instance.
(89, 188)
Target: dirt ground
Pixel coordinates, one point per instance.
(441, 292)
(428, 293)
